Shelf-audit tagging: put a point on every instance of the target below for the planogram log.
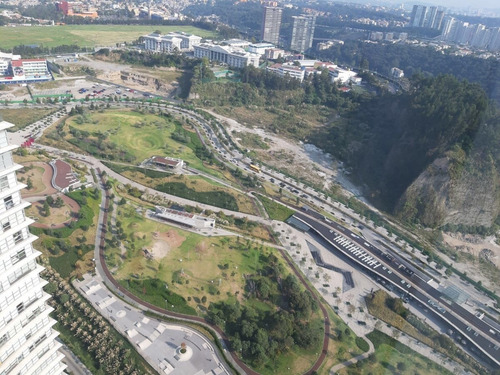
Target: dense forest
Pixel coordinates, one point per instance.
(381, 57)
(394, 138)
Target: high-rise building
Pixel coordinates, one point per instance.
(418, 15)
(271, 23)
(303, 32)
(438, 22)
(430, 17)
(27, 340)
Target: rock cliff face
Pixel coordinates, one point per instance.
(449, 193)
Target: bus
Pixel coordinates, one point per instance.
(255, 168)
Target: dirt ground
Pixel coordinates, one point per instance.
(164, 241)
(475, 245)
(159, 249)
(300, 160)
(110, 71)
(59, 216)
(46, 180)
(479, 248)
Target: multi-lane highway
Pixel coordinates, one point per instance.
(402, 277)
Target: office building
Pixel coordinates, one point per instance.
(234, 57)
(170, 42)
(27, 340)
(259, 48)
(271, 23)
(303, 32)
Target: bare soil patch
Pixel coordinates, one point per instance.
(159, 249)
(42, 185)
(475, 245)
(172, 238)
(59, 216)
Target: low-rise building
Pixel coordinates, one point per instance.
(237, 43)
(259, 48)
(328, 44)
(171, 41)
(161, 43)
(290, 70)
(167, 163)
(183, 218)
(235, 57)
(397, 73)
(344, 76)
(274, 53)
(15, 70)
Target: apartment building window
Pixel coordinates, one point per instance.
(9, 202)
(3, 139)
(6, 161)
(4, 183)
(4, 339)
(6, 225)
(18, 237)
(21, 254)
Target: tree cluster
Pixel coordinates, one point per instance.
(395, 137)
(90, 330)
(261, 336)
(381, 57)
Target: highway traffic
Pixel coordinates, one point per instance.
(385, 268)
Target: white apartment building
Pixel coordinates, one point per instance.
(234, 57)
(27, 340)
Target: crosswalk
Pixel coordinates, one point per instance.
(356, 252)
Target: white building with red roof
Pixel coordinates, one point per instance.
(15, 70)
(168, 163)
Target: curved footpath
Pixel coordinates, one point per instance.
(236, 361)
(106, 275)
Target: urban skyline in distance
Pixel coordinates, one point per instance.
(479, 8)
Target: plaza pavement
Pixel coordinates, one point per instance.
(158, 342)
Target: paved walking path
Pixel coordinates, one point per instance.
(354, 360)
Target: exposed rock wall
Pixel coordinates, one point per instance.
(449, 194)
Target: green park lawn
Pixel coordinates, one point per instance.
(188, 272)
(85, 35)
(136, 135)
(190, 264)
(22, 117)
(392, 357)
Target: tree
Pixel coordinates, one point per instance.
(50, 200)
(59, 202)
(402, 366)
(29, 184)
(46, 208)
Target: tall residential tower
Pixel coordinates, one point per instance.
(27, 340)
(303, 32)
(271, 23)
